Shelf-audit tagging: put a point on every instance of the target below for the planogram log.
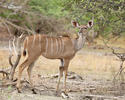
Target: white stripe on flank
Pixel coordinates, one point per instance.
(46, 46)
(40, 41)
(34, 38)
(62, 45)
(56, 45)
(51, 46)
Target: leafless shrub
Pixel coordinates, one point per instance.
(120, 56)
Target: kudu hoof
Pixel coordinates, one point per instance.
(19, 91)
(34, 92)
(64, 95)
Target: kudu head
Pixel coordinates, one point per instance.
(83, 29)
(82, 34)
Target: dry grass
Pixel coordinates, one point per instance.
(84, 63)
(4, 59)
(119, 42)
(96, 63)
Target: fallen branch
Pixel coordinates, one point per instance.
(12, 83)
(100, 97)
(5, 73)
(70, 75)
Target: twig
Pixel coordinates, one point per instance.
(120, 71)
(8, 29)
(16, 26)
(121, 56)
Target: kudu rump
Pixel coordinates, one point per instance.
(63, 48)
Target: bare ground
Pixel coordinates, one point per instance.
(92, 79)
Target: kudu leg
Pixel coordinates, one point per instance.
(63, 68)
(21, 68)
(65, 73)
(29, 71)
(65, 77)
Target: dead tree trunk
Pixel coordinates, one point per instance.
(13, 66)
(14, 45)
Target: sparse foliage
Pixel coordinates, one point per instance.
(108, 14)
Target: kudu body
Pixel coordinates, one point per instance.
(63, 48)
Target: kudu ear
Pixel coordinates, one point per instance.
(90, 24)
(75, 24)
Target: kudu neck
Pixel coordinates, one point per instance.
(80, 41)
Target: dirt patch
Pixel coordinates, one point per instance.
(79, 89)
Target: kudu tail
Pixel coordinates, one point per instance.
(24, 52)
(25, 46)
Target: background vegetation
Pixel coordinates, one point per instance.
(43, 15)
(96, 63)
